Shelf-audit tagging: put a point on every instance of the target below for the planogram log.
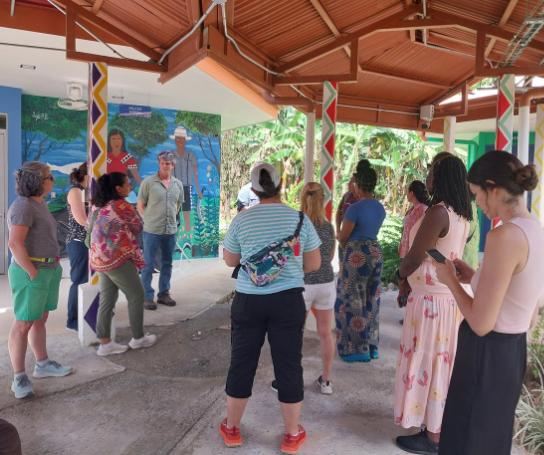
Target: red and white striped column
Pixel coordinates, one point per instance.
(505, 118)
(330, 99)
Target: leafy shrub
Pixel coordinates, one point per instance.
(536, 348)
(530, 412)
(389, 238)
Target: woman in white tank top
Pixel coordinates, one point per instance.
(491, 352)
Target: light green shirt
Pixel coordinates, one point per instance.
(161, 204)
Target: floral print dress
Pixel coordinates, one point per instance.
(429, 336)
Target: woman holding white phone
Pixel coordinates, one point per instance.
(491, 357)
(429, 333)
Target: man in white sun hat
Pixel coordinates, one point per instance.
(186, 170)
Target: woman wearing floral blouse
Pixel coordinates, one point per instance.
(115, 255)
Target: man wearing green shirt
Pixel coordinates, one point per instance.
(159, 201)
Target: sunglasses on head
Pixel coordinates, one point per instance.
(165, 154)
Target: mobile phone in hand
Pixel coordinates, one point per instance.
(439, 257)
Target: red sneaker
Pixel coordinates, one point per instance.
(230, 435)
(291, 444)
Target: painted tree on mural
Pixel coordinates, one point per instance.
(204, 128)
(146, 133)
(46, 126)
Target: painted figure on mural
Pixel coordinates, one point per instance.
(119, 160)
(186, 171)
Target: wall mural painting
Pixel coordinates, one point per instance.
(136, 135)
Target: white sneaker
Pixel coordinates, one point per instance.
(324, 386)
(144, 342)
(112, 348)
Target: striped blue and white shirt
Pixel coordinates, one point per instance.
(257, 227)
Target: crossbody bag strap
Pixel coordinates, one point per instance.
(299, 226)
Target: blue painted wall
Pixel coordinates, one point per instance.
(10, 104)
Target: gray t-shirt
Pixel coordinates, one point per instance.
(41, 240)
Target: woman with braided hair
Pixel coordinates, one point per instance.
(359, 279)
(429, 334)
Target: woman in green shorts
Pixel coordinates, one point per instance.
(34, 274)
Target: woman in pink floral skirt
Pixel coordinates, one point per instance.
(429, 335)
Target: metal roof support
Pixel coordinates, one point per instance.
(12, 12)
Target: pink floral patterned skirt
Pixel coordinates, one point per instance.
(425, 359)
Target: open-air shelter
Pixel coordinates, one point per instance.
(391, 60)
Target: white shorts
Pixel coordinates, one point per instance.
(320, 296)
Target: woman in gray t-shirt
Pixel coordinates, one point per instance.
(319, 286)
(34, 275)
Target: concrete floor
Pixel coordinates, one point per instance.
(170, 399)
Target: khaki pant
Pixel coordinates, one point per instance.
(126, 279)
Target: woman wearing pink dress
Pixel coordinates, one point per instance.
(429, 334)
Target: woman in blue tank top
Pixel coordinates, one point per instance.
(359, 280)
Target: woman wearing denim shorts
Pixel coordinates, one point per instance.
(34, 274)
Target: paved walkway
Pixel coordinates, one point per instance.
(169, 399)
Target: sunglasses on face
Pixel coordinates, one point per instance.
(49, 177)
(429, 167)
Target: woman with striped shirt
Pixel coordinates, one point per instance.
(276, 310)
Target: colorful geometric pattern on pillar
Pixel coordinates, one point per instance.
(98, 126)
(449, 134)
(537, 205)
(505, 112)
(330, 97)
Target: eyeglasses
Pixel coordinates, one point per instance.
(49, 177)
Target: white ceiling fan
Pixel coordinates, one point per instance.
(75, 101)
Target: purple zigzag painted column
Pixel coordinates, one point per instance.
(89, 294)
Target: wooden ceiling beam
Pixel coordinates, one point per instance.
(504, 19)
(96, 7)
(341, 42)
(489, 30)
(323, 13)
(412, 33)
(403, 77)
(109, 28)
(47, 21)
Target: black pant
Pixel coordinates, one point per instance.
(281, 316)
(10, 444)
(484, 391)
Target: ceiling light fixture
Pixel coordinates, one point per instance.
(28, 67)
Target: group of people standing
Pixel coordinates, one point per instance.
(104, 229)
(464, 333)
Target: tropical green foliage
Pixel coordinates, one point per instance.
(389, 238)
(47, 127)
(530, 411)
(203, 127)
(398, 156)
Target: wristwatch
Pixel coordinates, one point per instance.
(398, 275)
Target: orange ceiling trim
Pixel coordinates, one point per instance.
(226, 78)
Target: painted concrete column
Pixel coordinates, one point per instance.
(330, 97)
(450, 123)
(537, 205)
(505, 112)
(310, 147)
(505, 118)
(89, 294)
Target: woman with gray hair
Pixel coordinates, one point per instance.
(34, 274)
